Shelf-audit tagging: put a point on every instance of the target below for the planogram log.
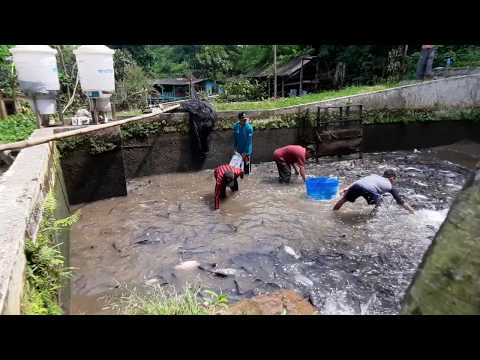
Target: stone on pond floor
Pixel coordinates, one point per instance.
(281, 302)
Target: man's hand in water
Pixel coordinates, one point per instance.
(409, 208)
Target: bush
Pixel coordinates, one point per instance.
(17, 127)
(132, 90)
(243, 90)
(46, 270)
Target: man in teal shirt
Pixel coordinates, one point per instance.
(243, 136)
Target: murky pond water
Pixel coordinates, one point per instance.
(265, 237)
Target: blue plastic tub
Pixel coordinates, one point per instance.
(322, 188)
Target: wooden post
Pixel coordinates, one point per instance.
(37, 115)
(3, 109)
(283, 87)
(114, 114)
(301, 79)
(275, 71)
(191, 89)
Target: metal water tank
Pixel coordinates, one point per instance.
(95, 68)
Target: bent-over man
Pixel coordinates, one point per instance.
(371, 188)
(225, 175)
(292, 155)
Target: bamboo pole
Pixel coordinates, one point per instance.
(42, 140)
(275, 71)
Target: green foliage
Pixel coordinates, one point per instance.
(300, 100)
(243, 90)
(386, 116)
(167, 301)
(214, 61)
(7, 70)
(141, 129)
(46, 270)
(462, 55)
(95, 145)
(132, 89)
(17, 127)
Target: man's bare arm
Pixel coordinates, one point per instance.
(302, 172)
(408, 207)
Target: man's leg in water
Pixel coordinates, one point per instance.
(284, 172)
(377, 203)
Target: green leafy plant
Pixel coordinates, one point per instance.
(46, 270)
(17, 127)
(243, 90)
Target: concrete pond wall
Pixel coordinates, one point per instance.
(23, 188)
(447, 281)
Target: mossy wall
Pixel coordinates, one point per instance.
(93, 166)
(447, 281)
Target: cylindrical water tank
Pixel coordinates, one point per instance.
(36, 67)
(95, 67)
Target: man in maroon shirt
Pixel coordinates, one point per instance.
(225, 175)
(292, 155)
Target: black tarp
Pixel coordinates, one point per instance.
(202, 122)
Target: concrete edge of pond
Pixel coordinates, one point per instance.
(22, 190)
(446, 282)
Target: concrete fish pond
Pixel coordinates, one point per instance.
(266, 237)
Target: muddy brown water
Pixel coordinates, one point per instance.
(345, 262)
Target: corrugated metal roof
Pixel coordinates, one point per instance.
(176, 81)
(288, 69)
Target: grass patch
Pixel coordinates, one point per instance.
(129, 113)
(158, 300)
(300, 100)
(46, 270)
(17, 127)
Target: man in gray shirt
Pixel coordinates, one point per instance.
(371, 188)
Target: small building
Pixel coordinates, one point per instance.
(174, 89)
(300, 75)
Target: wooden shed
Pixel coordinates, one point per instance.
(301, 74)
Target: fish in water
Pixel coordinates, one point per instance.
(303, 280)
(291, 252)
(225, 272)
(187, 265)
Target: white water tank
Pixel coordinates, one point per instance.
(36, 67)
(95, 68)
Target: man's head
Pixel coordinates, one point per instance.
(390, 175)
(310, 151)
(243, 118)
(229, 179)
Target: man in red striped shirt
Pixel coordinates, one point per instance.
(225, 175)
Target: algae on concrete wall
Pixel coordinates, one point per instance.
(46, 289)
(447, 281)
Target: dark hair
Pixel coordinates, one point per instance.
(311, 149)
(241, 115)
(389, 173)
(229, 178)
